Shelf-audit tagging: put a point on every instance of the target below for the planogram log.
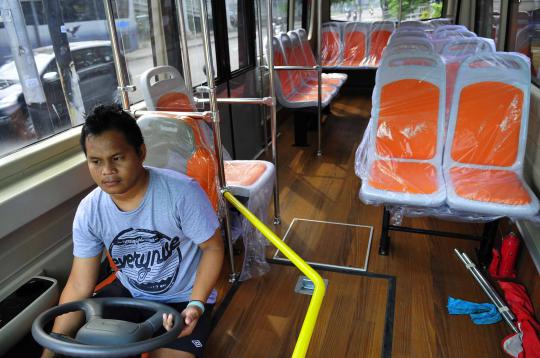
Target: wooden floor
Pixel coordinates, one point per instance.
(264, 316)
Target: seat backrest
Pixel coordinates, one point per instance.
(454, 53)
(355, 42)
(306, 47)
(379, 34)
(163, 88)
(176, 143)
(449, 27)
(408, 107)
(331, 47)
(408, 44)
(408, 35)
(489, 112)
(284, 84)
(300, 56)
(421, 25)
(435, 23)
(292, 60)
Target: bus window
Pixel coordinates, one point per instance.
(527, 34)
(239, 32)
(35, 108)
(376, 10)
(192, 18)
(280, 9)
(298, 14)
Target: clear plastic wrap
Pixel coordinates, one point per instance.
(175, 143)
(399, 158)
(355, 43)
(487, 134)
(331, 48)
(401, 151)
(256, 178)
(379, 33)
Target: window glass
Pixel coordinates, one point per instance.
(297, 14)
(32, 101)
(232, 28)
(192, 19)
(527, 39)
(376, 10)
(279, 14)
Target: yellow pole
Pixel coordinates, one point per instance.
(306, 331)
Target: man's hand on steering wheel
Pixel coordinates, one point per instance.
(191, 315)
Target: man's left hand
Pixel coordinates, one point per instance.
(191, 316)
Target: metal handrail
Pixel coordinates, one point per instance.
(312, 313)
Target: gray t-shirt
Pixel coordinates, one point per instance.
(155, 246)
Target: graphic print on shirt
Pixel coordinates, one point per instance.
(149, 259)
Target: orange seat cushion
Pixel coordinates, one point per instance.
(493, 186)
(408, 120)
(488, 124)
(403, 177)
(241, 173)
(175, 101)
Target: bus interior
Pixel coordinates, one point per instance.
(374, 164)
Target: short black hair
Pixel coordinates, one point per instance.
(112, 117)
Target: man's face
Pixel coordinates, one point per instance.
(113, 162)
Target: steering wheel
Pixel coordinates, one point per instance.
(100, 337)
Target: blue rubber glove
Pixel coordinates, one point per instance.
(480, 313)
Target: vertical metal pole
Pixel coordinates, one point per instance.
(217, 132)
(121, 74)
(262, 109)
(319, 78)
(183, 41)
(273, 125)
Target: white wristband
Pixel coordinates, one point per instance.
(198, 304)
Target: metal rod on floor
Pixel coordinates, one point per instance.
(217, 133)
(273, 121)
(490, 292)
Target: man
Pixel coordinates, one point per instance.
(157, 225)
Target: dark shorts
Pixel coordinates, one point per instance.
(193, 343)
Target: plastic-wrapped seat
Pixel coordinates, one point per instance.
(407, 44)
(310, 57)
(175, 142)
(302, 78)
(403, 149)
(355, 38)
(454, 53)
(331, 46)
(441, 39)
(310, 77)
(435, 23)
(415, 24)
(406, 36)
(487, 133)
(291, 92)
(379, 33)
(451, 27)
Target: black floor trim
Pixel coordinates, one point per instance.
(390, 301)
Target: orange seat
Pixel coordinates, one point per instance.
(379, 35)
(487, 186)
(354, 43)
(404, 143)
(331, 50)
(403, 177)
(487, 132)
